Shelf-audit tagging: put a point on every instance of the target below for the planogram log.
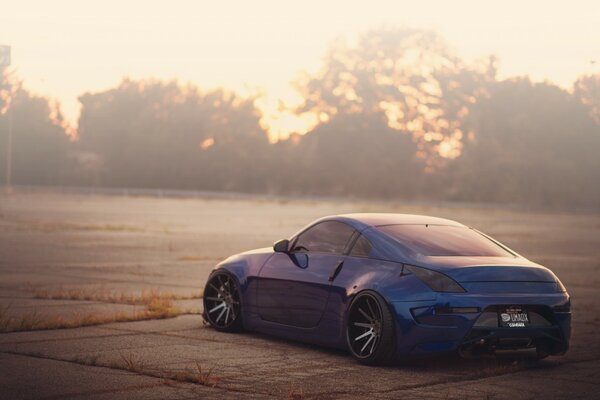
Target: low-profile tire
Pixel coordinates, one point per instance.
(222, 302)
(370, 330)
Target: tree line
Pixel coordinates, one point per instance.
(399, 116)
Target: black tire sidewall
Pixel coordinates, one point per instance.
(386, 348)
(237, 325)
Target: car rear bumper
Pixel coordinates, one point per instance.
(464, 321)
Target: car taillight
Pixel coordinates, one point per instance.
(436, 281)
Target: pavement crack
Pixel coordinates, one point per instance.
(62, 339)
(106, 391)
(481, 378)
(156, 375)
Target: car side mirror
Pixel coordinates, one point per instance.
(281, 246)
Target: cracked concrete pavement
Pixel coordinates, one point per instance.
(54, 242)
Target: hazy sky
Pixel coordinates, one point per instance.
(64, 48)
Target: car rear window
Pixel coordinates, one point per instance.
(443, 240)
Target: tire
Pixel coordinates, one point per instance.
(370, 330)
(222, 303)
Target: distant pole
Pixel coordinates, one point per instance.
(5, 63)
(8, 188)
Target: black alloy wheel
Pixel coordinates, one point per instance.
(222, 306)
(370, 330)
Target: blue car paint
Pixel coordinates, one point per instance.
(321, 305)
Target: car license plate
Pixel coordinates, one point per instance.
(513, 317)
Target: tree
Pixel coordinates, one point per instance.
(479, 139)
(534, 144)
(587, 91)
(412, 77)
(40, 144)
(156, 134)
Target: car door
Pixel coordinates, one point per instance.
(293, 288)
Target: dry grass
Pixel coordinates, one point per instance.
(207, 378)
(295, 393)
(25, 322)
(106, 296)
(198, 376)
(33, 321)
(131, 362)
(156, 305)
(28, 321)
(5, 319)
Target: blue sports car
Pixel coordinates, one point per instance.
(386, 286)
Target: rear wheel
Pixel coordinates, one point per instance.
(222, 305)
(370, 330)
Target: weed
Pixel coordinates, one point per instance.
(295, 393)
(206, 379)
(131, 362)
(5, 319)
(28, 322)
(195, 376)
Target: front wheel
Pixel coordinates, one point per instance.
(222, 305)
(370, 330)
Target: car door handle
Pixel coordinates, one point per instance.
(336, 270)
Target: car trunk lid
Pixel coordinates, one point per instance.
(496, 274)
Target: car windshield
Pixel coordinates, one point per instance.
(444, 240)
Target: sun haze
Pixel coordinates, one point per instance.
(63, 49)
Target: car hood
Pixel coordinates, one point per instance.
(490, 269)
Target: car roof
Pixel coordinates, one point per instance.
(364, 220)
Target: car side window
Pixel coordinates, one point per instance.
(325, 237)
(362, 247)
